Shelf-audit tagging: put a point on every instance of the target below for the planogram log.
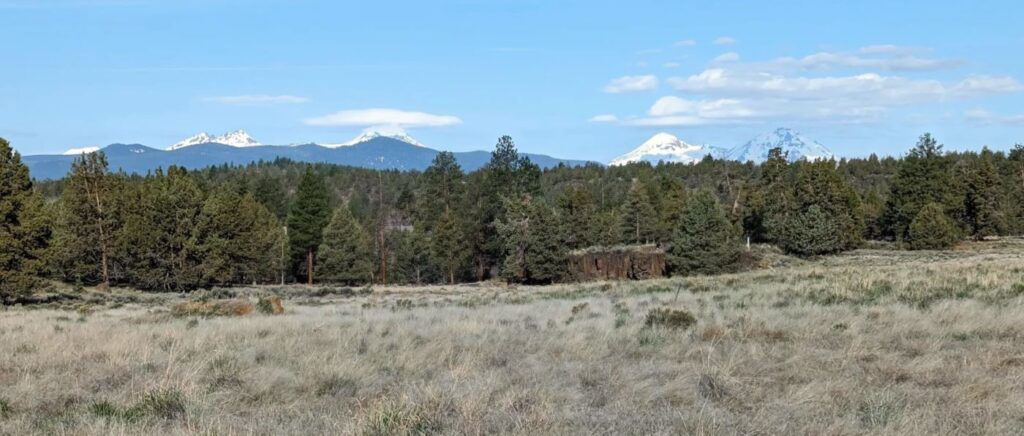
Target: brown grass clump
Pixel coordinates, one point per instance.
(213, 308)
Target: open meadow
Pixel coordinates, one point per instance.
(872, 341)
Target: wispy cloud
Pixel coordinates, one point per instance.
(725, 40)
(685, 43)
(631, 84)
(257, 99)
(603, 118)
(383, 116)
(726, 57)
(988, 117)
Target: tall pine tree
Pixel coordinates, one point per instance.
(307, 218)
(344, 255)
(705, 241)
(639, 221)
(89, 221)
(24, 228)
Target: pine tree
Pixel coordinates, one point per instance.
(90, 221)
(306, 221)
(932, 229)
(414, 257)
(576, 208)
(811, 231)
(670, 208)
(837, 209)
(605, 228)
(981, 210)
(638, 216)
(705, 241)
(769, 201)
(448, 247)
(441, 188)
(271, 194)
(24, 227)
(923, 177)
(344, 255)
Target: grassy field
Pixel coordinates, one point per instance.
(873, 341)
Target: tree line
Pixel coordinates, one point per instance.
(284, 221)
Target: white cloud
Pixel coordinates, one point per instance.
(726, 57)
(631, 84)
(685, 43)
(604, 118)
(257, 99)
(725, 40)
(832, 60)
(381, 116)
(985, 116)
(671, 65)
(891, 49)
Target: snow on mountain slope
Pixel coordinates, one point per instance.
(78, 151)
(664, 147)
(792, 142)
(238, 138)
(378, 132)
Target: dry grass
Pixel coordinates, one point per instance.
(874, 341)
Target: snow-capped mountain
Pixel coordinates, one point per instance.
(792, 142)
(665, 147)
(80, 151)
(372, 133)
(238, 138)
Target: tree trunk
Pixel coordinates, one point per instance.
(309, 266)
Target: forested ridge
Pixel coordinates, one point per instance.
(283, 221)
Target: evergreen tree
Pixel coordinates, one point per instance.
(982, 214)
(670, 208)
(156, 244)
(90, 221)
(239, 240)
(414, 257)
(306, 221)
(271, 194)
(441, 189)
(800, 230)
(345, 252)
(705, 242)
(448, 247)
(533, 248)
(932, 229)
(923, 177)
(24, 227)
(769, 200)
(576, 208)
(605, 228)
(638, 216)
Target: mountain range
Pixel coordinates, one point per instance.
(665, 147)
(386, 149)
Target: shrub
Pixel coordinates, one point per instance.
(932, 229)
(213, 308)
(270, 305)
(670, 318)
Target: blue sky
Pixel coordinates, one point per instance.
(573, 79)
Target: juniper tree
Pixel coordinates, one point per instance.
(238, 240)
(923, 177)
(24, 226)
(344, 254)
(705, 241)
(981, 211)
(932, 229)
(532, 245)
(307, 218)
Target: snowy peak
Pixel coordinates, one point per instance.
(82, 150)
(792, 143)
(238, 138)
(378, 132)
(664, 147)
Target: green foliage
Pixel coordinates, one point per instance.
(576, 208)
(532, 244)
(307, 218)
(810, 232)
(89, 222)
(639, 221)
(238, 240)
(24, 227)
(932, 229)
(981, 211)
(345, 251)
(705, 241)
(448, 246)
(923, 177)
(822, 214)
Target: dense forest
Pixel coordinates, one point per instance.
(284, 221)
